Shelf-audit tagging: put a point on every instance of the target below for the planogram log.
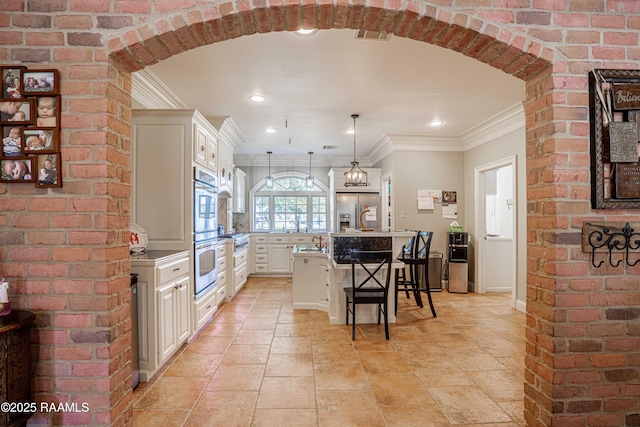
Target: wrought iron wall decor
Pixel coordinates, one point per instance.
(614, 115)
(611, 239)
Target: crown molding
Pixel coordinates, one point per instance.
(227, 128)
(496, 126)
(148, 90)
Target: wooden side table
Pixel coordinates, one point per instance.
(15, 370)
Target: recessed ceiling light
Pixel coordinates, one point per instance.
(350, 131)
(306, 32)
(436, 123)
(256, 98)
(270, 130)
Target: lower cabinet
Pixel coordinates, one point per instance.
(310, 285)
(165, 301)
(205, 306)
(240, 270)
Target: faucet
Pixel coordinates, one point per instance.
(319, 244)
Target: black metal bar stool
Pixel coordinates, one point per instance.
(417, 260)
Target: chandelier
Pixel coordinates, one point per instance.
(355, 177)
(310, 180)
(269, 179)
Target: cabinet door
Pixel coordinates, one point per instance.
(279, 259)
(167, 322)
(182, 311)
(212, 154)
(200, 145)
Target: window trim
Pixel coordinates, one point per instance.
(254, 191)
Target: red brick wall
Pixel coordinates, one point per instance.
(64, 249)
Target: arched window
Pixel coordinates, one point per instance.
(289, 205)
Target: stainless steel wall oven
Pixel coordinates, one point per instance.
(205, 225)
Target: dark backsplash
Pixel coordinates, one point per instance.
(342, 246)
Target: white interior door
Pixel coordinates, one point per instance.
(495, 224)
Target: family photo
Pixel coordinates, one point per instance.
(16, 170)
(48, 169)
(11, 141)
(11, 83)
(42, 81)
(42, 140)
(16, 111)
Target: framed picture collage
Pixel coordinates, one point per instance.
(30, 125)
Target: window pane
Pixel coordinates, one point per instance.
(261, 209)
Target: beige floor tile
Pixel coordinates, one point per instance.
(219, 329)
(501, 385)
(334, 353)
(253, 336)
(292, 330)
(287, 393)
(467, 405)
(440, 372)
(414, 416)
(347, 408)
(477, 360)
(159, 417)
(515, 410)
(285, 417)
(398, 389)
(249, 354)
(380, 362)
(340, 376)
(291, 345)
(263, 312)
(334, 335)
(223, 408)
(194, 365)
(377, 345)
(210, 344)
(289, 365)
(173, 393)
(237, 377)
(260, 323)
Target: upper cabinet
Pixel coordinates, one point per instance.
(240, 189)
(166, 145)
(336, 181)
(229, 137)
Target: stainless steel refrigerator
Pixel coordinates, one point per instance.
(349, 206)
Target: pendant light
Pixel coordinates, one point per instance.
(355, 177)
(310, 180)
(269, 179)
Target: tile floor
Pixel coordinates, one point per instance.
(261, 363)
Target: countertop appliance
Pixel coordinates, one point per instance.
(205, 230)
(349, 206)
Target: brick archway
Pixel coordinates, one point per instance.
(513, 53)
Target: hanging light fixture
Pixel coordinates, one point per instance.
(269, 179)
(310, 180)
(355, 177)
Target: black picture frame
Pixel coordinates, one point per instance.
(10, 108)
(49, 168)
(11, 88)
(39, 140)
(17, 169)
(39, 82)
(13, 147)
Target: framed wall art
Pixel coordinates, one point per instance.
(11, 82)
(614, 115)
(39, 82)
(19, 111)
(49, 168)
(16, 169)
(39, 141)
(11, 141)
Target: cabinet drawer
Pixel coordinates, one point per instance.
(261, 259)
(240, 258)
(222, 279)
(241, 275)
(206, 306)
(278, 239)
(300, 239)
(260, 249)
(262, 268)
(222, 264)
(259, 239)
(222, 250)
(173, 271)
(221, 295)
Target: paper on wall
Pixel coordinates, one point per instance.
(450, 210)
(425, 203)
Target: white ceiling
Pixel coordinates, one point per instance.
(312, 85)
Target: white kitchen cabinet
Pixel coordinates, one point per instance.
(229, 137)
(204, 308)
(259, 254)
(239, 188)
(240, 270)
(165, 295)
(280, 250)
(166, 145)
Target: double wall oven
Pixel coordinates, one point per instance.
(205, 224)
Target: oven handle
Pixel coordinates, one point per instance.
(206, 245)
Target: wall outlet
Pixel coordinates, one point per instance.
(403, 214)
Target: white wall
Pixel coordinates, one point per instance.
(512, 143)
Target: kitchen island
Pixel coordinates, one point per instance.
(318, 283)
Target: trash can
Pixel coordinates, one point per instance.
(435, 273)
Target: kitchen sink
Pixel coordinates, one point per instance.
(314, 249)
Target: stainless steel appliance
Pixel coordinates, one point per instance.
(205, 265)
(205, 199)
(353, 204)
(240, 241)
(205, 230)
(458, 262)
